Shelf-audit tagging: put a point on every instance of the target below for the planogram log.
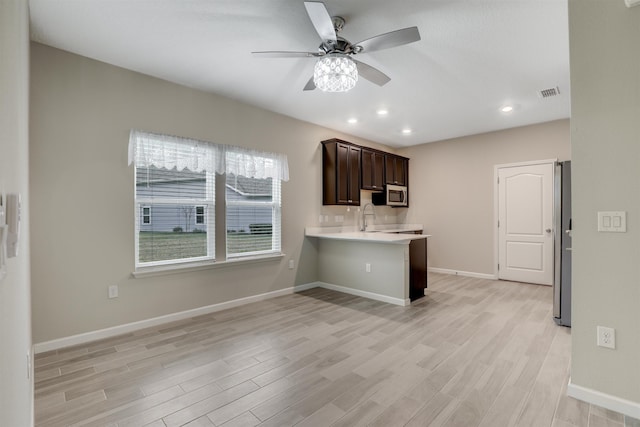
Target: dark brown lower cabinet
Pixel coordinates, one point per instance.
(417, 268)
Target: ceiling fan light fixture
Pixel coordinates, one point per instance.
(335, 72)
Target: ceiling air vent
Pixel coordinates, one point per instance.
(548, 93)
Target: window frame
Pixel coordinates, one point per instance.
(148, 150)
(146, 217)
(200, 217)
(207, 201)
(276, 215)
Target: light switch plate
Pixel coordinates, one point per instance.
(612, 221)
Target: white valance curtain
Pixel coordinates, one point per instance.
(165, 151)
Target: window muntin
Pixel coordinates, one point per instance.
(200, 215)
(146, 215)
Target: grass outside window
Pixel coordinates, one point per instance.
(161, 246)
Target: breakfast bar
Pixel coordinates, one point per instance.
(388, 263)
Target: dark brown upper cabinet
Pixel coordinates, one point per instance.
(396, 169)
(340, 173)
(372, 169)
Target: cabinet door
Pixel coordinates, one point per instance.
(378, 171)
(395, 170)
(401, 171)
(348, 175)
(353, 183)
(417, 268)
(343, 175)
(367, 169)
(372, 170)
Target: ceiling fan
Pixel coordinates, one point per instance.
(336, 70)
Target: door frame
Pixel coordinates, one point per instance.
(496, 213)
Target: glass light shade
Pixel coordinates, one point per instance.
(335, 73)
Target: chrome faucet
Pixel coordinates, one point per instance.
(364, 216)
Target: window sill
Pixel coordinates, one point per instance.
(204, 265)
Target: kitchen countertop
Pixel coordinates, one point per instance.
(388, 233)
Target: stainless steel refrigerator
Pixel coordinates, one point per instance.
(562, 282)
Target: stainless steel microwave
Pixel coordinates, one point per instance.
(393, 195)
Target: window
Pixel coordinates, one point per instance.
(199, 215)
(253, 215)
(146, 215)
(175, 199)
(175, 177)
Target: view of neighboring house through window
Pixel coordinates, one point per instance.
(200, 215)
(253, 215)
(173, 215)
(175, 199)
(146, 215)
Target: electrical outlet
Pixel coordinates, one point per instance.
(367, 267)
(291, 264)
(606, 337)
(113, 291)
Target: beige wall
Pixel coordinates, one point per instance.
(16, 390)
(452, 189)
(82, 191)
(605, 135)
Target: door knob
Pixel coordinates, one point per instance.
(548, 230)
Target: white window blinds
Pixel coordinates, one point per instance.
(175, 199)
(253, 215)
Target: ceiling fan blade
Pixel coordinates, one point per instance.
(372, 74)
(287, 54)
(321, 20)
(392, 39)
(310, 85)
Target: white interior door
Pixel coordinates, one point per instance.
(525, 223)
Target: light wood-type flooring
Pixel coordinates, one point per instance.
(472, 352)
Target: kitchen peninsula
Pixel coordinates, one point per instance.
(388, 263)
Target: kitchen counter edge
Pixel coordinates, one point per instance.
(374, 236)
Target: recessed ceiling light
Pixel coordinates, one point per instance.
(506, 109)
(406, 131)
(382, 112)
(352, 120)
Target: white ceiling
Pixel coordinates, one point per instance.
(474, 57)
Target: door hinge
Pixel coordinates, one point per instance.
(498, 180)
(498, 267)
(498, 223)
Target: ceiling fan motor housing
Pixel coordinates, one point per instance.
(341, 45)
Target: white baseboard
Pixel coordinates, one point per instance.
(462, 273)
(623, 406)
(365, 294)
(155, 321)
(306, 286)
